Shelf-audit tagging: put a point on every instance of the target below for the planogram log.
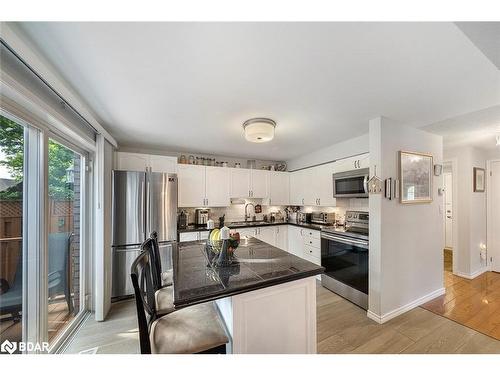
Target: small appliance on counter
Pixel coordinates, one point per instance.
(183, 220)
(324, 218)
(201, 216)
(304, 217)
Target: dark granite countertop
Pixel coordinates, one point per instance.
(196, 228)
(258, 266)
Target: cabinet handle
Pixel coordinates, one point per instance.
(319, 201)
(302, 200)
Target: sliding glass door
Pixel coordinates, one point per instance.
(45, 235)
(64, 225)
(12, 146)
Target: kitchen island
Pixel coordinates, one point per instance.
(266, 297)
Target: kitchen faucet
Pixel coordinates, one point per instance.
(246, 214)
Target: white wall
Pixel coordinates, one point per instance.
(406, 241)
(351, 147)
(470, 212)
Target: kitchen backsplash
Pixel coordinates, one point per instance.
(236, 211)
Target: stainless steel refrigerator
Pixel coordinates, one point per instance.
(142, 202)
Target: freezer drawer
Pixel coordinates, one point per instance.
(122, 259)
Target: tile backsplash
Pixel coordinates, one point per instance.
(236, 211)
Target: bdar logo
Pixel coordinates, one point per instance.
(8, 347)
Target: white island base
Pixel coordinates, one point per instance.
(280, 319)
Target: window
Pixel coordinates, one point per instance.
(11, 229)
(64, 224)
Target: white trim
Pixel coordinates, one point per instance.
(13, 37)
(489, 228)
(473, 275)
(454, 209)
(401, 310)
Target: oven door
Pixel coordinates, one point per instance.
(345, 260)
(351, 184)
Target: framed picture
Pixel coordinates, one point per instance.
(415, 175)
(479, 180)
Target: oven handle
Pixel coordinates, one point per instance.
(344, 240)
(365, 184)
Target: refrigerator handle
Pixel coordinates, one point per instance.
(148, 206)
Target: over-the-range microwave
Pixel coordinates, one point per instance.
(351, 184)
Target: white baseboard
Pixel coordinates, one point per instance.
(473, 275)
(401, 310)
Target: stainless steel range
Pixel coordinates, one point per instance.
(344, 254)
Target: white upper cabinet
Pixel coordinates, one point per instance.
(259, 183)
(201, 186)
(354, 162)
(324, 186)
(279, 188)
(127, 161)
(249, 183)
(240, 182)
(297, 188)
(164, 164)
(191, 185)
(130, 161)
(217, 187)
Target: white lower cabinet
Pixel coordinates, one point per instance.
(305, 243)
(267, 234)
(282, 237)
(193, 236)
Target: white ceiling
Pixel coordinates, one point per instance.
(190, 86)
(478, 129)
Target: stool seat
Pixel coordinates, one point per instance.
(191, 330)
(167, 277)
(164, 300)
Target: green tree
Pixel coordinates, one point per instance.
(12, 145)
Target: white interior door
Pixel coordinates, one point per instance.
(448, 210)
(494, 212)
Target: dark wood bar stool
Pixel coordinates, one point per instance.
(194, 329)
(162, 281)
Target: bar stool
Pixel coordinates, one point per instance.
(194, 329)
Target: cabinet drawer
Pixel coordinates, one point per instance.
(311, 241)
(188, 236)
(311, 233)
(313, 259)
(312, 251)
(203, 235)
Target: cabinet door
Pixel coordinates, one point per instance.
(344, 165)
(188, 236)
(325, 185)
(240, 182)
(191, 185)
(295, 241)
(249, 232)
(217, 187)
(163, 164)
(297, 188)
(279, 188)
(310, 186)
(260, 183)
(128, 161)
(364, 161)
(282, 237)
(267, 235)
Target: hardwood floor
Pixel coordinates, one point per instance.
(342, 328)
(473, 303)
(58, 318)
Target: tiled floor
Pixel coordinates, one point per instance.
(473, 303)
(342, 328)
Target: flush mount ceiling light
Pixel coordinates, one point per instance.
(259, 130)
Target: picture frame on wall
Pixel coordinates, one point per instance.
(479, 180)
(416, 172)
